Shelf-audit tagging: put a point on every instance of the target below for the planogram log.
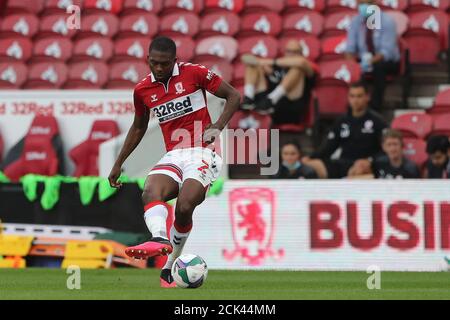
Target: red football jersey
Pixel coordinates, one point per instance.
(180, 107)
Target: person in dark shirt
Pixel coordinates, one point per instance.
(438, 164)
(393, 165)
(291, 166)
(357, 134)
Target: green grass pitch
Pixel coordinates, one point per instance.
(37, 283)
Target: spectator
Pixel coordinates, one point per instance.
(291, 166)
(438, 164)
(280, 86)
(357, 133)
(374, 43)
(393, 165)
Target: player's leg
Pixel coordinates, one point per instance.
(292, 86)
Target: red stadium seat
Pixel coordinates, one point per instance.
(300, 23)
(60, 6)
(441, 103)
(341, 5)
(304, 5)
(337, 24)
(131, 48)
(15, 48)
(238, 74)
(421, 5)
(52, 49)
(235, 6)
(223, 47)
(46, 75)
(260, 23)
(21, 24)
(138, 24)
(416, 40)
(343, 69)
(142, 6)
(415, 150)
(441, 124)
(333, 48)
(113, 6)
(87, 75)
(413, 125)
(219, 23)
(100, 48)
(185, 23)
(310, 46)
(12, 74)
(397, 5)
(263, 6)
(434, 20)
(24, 6)
(401, 21)
(37, 157)
(99, 24)
(85, 155)
(43, 128)
(126, 74)
(177, 6)
(185, 47)
(222, 67)
(55, 25)
(263, 46)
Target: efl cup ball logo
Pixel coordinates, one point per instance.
(252, 214)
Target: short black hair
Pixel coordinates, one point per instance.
(438, 143)
(163, 44)
(293, 143)
(360, 84)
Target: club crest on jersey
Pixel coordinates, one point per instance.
(153, 98)
(179, 88)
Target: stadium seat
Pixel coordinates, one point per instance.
(343, 69)
(415, 150)
(138, 24)
(252, 6)
(434, 20)
(263, 46)
(222, 47)
(260, 23)
(85, 155)
(397, 5)
(24, 6)
(337, 24)
(21, 24)
(37, 157)
(141, 6)
(185, 23)
(219, 23)
(235, 6)
(12, 74)
(309, 43)
(100, 48)
(441, 124)
(131, 48)
(222, 67)
(301, 23)
(333, 48)
(401, 21)
(87, 75)
(99, 24)
(180, 6)
(55, 25)
(43, 128)
(340, 6)
(112, 6)
(15, 48)
(185, 47)
(421, 5)
(52, 49)
(441, 103)
(238, 74)
(413, 125)
(60, 6)
(305, 5)
(126, 74)
(46, 75)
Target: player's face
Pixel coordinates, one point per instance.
(358, 99)
(161, 64)
(290, 154)
(438, 159)
(393, 148)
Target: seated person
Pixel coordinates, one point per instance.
(438, 164)
(393, 165)
(281, 86)
(357, 133)
(291, 167)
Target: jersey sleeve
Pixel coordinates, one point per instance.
(139, 105)
(207, 79)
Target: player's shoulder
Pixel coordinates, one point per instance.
(189, 67)
(143, 83)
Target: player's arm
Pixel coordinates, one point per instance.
(134, 136)
(233, 98)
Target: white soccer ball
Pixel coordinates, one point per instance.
(189, 271)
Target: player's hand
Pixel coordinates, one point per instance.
(212, 131)
(114, 175)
